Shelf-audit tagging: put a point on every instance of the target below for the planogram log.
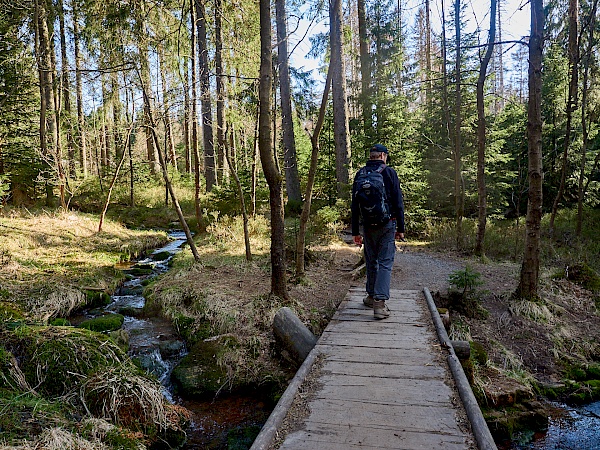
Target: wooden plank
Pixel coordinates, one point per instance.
(381, 326)
(365, 337)
(422, 371)
(384, 391)
(434, 419)
(370, 438)
(378, 355)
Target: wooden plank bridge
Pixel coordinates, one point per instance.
(382, 384)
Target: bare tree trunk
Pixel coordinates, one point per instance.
(83, 160)
(481, 125)
(238, 184)
(221, 144)
(445, 106)
(163, 166)
(365, 69)
(152, 151)
(529, 278)
(458, 179)
(186, 118)
(292, 181)
(340, 104)
(172, 157)
(255, 151)
(66, 90)
(203, 69)
(274, 178)
(114, 178)
(312, 171)
(194, 119)
(571, 102)
(429, 85)
(584, 125)
(500, 95)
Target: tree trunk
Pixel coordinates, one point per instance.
(66, 90)
(500, 68)
(255, 151)
(221, 144)
(204, 75)
(445, 106)
(163, 166)
(83, 160)
(170, 143)
(340, 104)
(312, 171)
(571, 102)
(114, 179)
(274, 178)
(194, 120)
(429, 82)
(186, 118)
(481, 125)
(292, 181)
(238, 184)
(365, 69)
(584, 125)
(529, 278)
(152, 151)
(458, 181)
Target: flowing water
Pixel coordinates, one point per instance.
(226, 422)
(571, 428)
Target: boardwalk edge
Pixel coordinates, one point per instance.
(478, 424)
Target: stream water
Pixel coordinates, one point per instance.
(569, 428)
(228, 422)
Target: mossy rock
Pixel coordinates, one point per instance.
(121, 338)
(138, 271)
(108, 322)
(505, 422)
(199, 373)
(584, 275)
(60, 322)
(10, 312)
(478, 353)
(95, 299)
(160, 256)
(57, 359)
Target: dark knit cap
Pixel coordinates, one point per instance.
(380, 148)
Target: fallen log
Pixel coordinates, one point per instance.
(462, 349)
(296, 339)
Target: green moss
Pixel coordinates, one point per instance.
(57, 359)
(199, 374)
(160, 256)
(10, 312)
(96, 299)
(24, 416)
(60, 322)
(478, 353)
(109, 322)
(593, 371)
(585, 276)
(120, 439)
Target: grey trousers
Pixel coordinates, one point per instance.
(380, 249)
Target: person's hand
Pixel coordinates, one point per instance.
(400, 236)
(357, 240)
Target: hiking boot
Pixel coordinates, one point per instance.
(380, 309)
(368, 301)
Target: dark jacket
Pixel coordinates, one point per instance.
(393, 195)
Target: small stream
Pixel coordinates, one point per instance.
(569, 428)
(228, 422)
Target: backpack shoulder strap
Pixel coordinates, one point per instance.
(381, 168)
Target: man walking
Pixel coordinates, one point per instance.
(378, 205)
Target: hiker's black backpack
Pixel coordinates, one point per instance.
(370, 194)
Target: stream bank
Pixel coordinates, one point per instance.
(227, 421)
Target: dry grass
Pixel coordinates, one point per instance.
(129, 400)
(47, 256)
(58, 439)
(535, 311)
